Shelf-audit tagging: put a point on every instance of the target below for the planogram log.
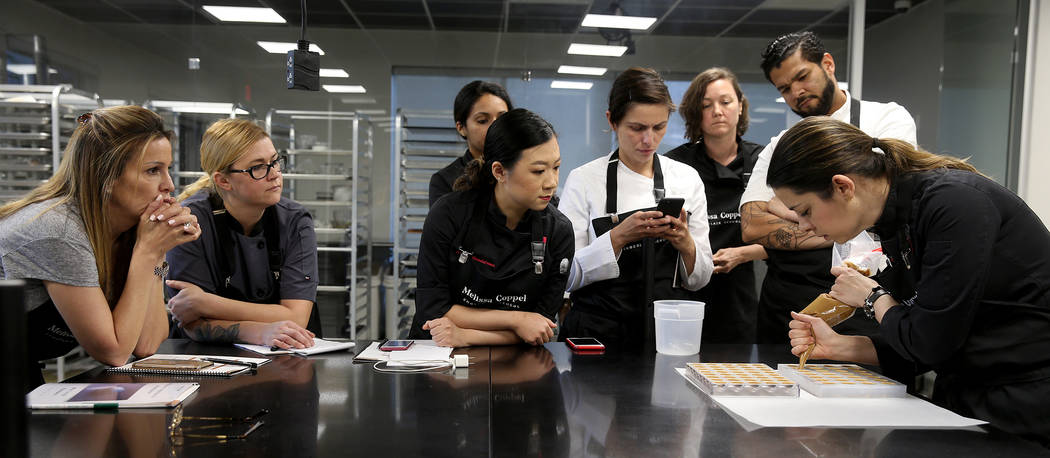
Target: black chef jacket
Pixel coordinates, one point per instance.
(733, 301)
(497, 252)
(442, 180)
(970, 264)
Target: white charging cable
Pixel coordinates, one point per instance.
(423, 365)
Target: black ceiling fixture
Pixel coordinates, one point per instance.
(619, 37)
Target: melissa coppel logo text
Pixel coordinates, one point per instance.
(506, 300)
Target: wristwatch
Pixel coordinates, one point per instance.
(869, 302)
(161, 271)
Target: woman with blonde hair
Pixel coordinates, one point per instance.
(90, 242)
(967, 290)
(253, 277)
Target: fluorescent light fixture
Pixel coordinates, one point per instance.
(574, 70)
(358, 100)
(244, 14)
(27, 69)
(349, 88)
(607, 21)
(180, 106)
(372, 112)
(559, 84)
(334, 73)
(597, 50)
(281, 47)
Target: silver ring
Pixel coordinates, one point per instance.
(186, 227)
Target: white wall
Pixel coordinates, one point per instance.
(1035, 154)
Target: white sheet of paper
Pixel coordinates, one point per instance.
(421, 350)
(320, 346)
(810, 411)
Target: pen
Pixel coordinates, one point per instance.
(235, 362)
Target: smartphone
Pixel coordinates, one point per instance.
(584, 344)
(171, 364)
(396, 345)
(670, 206)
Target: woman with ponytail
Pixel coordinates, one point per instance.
(90, 242)
(252, 277)
(494, 255)
(967, 290)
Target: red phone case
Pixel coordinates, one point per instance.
(584, 347)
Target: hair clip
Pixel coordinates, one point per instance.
(876, 147)
(84, 118)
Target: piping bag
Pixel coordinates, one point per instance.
(862, 254)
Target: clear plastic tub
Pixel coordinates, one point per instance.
(678, 326)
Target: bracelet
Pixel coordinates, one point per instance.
(869, 302)
(161, 271)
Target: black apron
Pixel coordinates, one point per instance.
(795, 278)
(270, 293)
(619, 310)
(502, 284)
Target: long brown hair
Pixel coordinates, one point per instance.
(692, 106)
(103, 143)
(225, 141)
(637, 85)
(817, 148)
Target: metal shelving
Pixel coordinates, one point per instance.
(36, 122)
(329, 172)
(426, 141)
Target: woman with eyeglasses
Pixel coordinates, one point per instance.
(252, 276)
(89, 243)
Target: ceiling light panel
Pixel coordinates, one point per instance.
(334, 73)
(606, 21)
(281, 47)
(344, 88)
(559, 84)
(574, 70)
(597, 50)
(244, 14)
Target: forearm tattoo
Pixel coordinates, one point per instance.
(781, 234)
(207, 332)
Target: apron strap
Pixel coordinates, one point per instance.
(610, 183)
(854, 113)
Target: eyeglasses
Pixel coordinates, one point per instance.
(178, 431)
(258, 172)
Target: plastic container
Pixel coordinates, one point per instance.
(678, 326)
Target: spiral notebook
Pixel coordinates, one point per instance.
(219, 369)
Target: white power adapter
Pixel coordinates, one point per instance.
(459, 361)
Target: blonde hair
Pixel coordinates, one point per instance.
(225, 141)
(103, 143)
(817, 148)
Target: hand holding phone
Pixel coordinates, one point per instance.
(396, 345)
(671, 206)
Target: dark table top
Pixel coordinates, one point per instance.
(512, 401)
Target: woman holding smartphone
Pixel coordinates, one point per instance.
(90, 242)
(494, 255)
(715, 113)
(627, 253)
(967, 290)
(477, 105)
(253, 276)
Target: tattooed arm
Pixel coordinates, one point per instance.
(764, 228)
(284, 334)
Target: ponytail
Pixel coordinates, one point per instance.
(204, 182)
(818, 147)
(473, 177)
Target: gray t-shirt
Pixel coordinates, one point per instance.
(38, 244)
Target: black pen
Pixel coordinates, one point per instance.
(235, 362)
